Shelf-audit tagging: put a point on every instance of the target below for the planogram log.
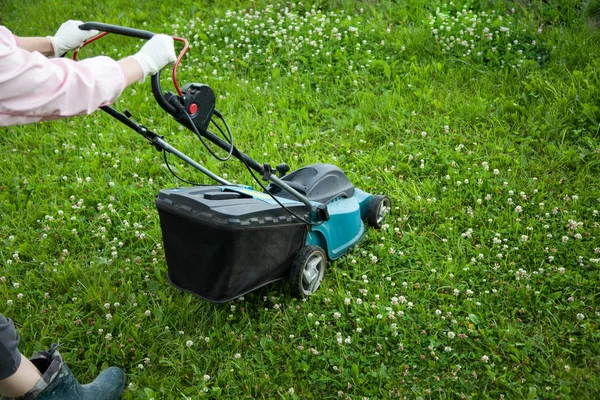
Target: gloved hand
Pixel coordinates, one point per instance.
(69, 37)
(155, 54)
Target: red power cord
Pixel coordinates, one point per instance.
(175, 65)
(186, 45)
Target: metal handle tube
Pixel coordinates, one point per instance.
(252, 163)
(158, 142)
(167, 147)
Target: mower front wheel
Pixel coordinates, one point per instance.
(379, 207)
(308, 270)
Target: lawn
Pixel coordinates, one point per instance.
(479, 119)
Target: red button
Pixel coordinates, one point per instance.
(193, 108)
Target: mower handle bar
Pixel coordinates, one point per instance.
(140, 34)
(157, 91)
(160, 99)
(119, 30)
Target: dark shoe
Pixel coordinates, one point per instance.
(57, 382)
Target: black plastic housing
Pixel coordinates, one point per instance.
(199, 102)
(220, 245)
(318, 182)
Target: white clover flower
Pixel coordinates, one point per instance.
(485, 358)
(189, 343)
(580, 316)
(206, 378)
(451, 335)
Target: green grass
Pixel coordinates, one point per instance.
(485, 284)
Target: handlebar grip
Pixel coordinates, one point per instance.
(140, 34)
(119, 30)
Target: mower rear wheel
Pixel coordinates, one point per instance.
(308, 270)
(379, 207)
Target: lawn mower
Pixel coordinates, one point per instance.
(223, 241)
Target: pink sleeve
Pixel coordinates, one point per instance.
(34, 88)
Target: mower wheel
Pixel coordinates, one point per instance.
(308, 269)
(379, 207)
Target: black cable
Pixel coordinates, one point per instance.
(263, 187)
(195, 130)
(230, 140)
(227, 139)
(177, 176)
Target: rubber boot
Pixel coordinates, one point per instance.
(58, 383)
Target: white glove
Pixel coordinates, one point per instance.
(69, 37)
(155, 54)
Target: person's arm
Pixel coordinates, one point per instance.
(41, 44)
(68, 37)
(132, 69)
(34, 88)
